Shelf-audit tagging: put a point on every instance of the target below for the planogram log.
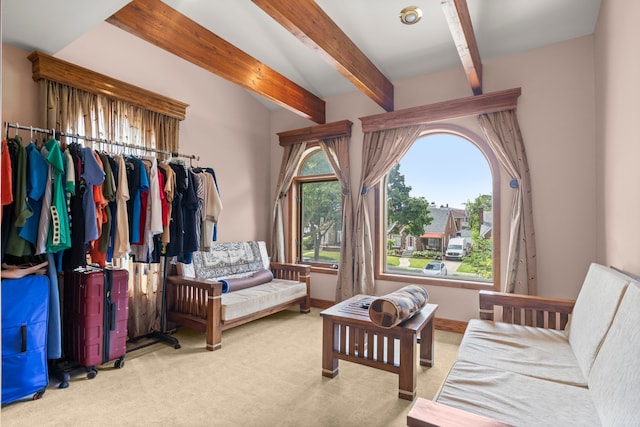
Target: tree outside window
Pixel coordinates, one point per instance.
(319, 205)
(454, 172)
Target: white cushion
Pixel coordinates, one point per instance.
(614, 381)
(515, 399)
(593, 313)
(537, 352)
(248, 301)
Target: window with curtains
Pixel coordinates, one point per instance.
(107, 109)
(435, 213)
(318, 206)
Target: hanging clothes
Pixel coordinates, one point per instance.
(76, 255)
(121, 240)
(6, 179)
(36, 184)
(16, 245)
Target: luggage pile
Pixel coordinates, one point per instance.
(94, 327)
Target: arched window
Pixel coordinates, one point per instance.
(317, 206)
(436, 212)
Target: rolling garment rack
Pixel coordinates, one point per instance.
(153, 337)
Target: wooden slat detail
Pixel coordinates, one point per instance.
(552, 313)
(370, 345)
(461, 107)
(159, 24)
(47, 67)
(379, 347)
(351, 346)
(313, 27)
(314, 133)
(457, 14)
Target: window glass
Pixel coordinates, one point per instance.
(438, 207)
(319, 205)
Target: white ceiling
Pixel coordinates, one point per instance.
(502, 27)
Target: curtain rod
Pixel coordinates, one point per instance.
(57, 134)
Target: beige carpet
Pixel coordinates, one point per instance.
(268, 373)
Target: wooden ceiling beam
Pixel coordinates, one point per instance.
(313, 27)
(459, 21)
(159, 24)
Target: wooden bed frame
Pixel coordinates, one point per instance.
(197, 304)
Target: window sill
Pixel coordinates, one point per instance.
(432, 281)
(323, 270)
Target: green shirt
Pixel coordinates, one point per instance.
(59, 235)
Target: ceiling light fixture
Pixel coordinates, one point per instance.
(410, 15)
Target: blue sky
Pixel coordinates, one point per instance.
(446, 168)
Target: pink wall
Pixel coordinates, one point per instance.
(556, 114)
(617, 62)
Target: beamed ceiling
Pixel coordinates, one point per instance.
(293, 54)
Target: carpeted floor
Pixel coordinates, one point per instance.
(268, 373)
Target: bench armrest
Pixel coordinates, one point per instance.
(552, 313)
(426, 413)
(289, 271)
(205, 285)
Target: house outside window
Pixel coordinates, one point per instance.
(449, 181)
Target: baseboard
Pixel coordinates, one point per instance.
(448, 325)
(322, 304)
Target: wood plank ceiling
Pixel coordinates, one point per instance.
(159, 24)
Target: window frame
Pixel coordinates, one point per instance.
(294, 242)
(380, 210)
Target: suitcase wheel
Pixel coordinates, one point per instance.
(38, 394)
(119, 363)
(91, 373)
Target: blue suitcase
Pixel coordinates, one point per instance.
(25, 312)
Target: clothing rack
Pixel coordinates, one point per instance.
(155, 336)
(58, 135)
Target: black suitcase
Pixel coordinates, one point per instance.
(25, 313)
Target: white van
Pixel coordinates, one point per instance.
(458, 248)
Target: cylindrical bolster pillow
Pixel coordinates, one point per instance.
(257, 278)
(392, 309)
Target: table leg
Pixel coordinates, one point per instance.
(329, 362)
(426, 344)
(407, 380)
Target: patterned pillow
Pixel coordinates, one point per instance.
(392, 309)
(228, 260)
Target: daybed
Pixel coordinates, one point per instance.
(547, 361)
(197, 296)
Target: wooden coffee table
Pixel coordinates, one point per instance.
(349, 334)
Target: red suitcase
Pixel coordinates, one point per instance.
(96, 310)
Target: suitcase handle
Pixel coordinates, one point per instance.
(113, 314)
(23, 335)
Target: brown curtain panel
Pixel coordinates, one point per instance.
(502, 132)
(337, 150)
(290, 162)
(381, 150)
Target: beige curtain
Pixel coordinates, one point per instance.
(502, 132)
(337, 150)
(290, 161)
(380, 152)
(74, 111)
